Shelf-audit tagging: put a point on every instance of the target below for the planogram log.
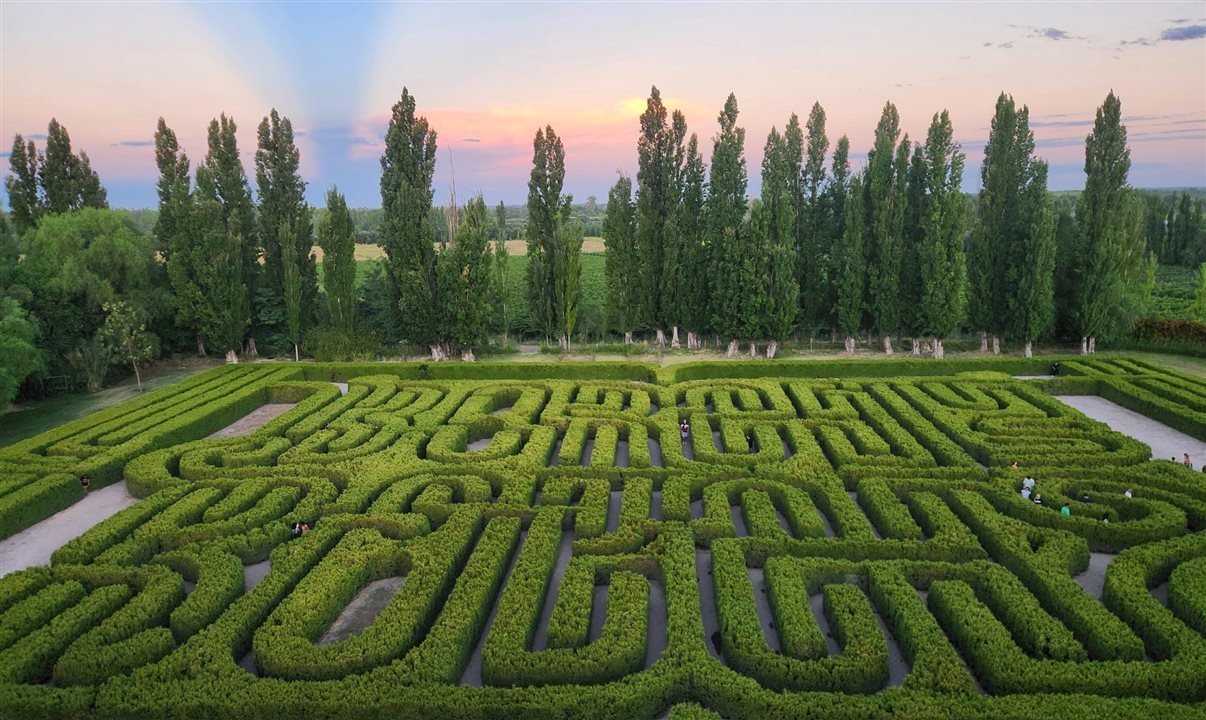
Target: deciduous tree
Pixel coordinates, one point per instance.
(941, 263)
(734, 289)
(407, 168)
(337, 238)
(624, 288)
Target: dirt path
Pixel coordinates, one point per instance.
(254, 420)
(34, 545)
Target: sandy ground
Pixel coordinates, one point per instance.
(1164, 441)
(254, 420)
(34, 545)
(362, 610)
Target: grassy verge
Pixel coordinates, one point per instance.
(30, 418)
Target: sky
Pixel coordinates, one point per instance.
(488, 75)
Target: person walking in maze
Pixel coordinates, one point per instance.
(1128, 493)
(1065, 510)
(684, 429)
(1025, 493)
(1038, 498)
(85, 483)
(1187, 462)
(1028, 483)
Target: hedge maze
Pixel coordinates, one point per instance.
(542, 542)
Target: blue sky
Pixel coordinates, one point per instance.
(488, 75)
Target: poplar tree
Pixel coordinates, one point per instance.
(337, 238)
(619, 235)
(470, 263)
(885, 206)
(911, 238)
(547, 211)
(22, 186)
(833, 207)
(173, 185)
(68, 181)
(567, 279)
(775, 234)
(690, 301)
(941, 264)
(660, 156)
(292, 285)
(815, 238)
(1107, 270)
(221, 178)
(733, 283)
(282, 203)
(850, 270)
(205, 264)
(407, 168)
(1013, 252)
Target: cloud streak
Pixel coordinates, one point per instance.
(134, 143)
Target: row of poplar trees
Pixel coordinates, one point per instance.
(894, 251)
(242, 268)
(448, 292)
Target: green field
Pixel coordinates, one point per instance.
(535, 540)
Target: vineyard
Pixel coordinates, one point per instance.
(547, 541)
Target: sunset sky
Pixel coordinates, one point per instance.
(488, 75)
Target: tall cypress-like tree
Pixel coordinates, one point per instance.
(941, 265)
(660, 157)
(173, 185)
(22, 186)
(292, 288)
(734, 292)
(690, 301)
(833, 207)
(777, 233)
(57, 172)
(619, 235)
(910, 260)
(1108, 268)
(885, 204)
(468, 302)
(849, 264)
(337, 238)
(815, 237)
(547, 211)
(282, 202)
(407, 168)
(221, 178)
(205, 264)
(1012, 257)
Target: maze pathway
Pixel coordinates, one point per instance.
(543, 541)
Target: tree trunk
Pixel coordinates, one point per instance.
(916, 347)
(232, 358)
(437, 353)
(771, 348)
(1028, 349)
(849, 344)
(732, 349)
(753, 349)
(887, 344)
(983, 341)
(1092, 344)
(468, 355)
(1084, 345)
(996, 345)
(939, 351)
(250, 350)
(628, 337)
(564, 341)
(137, 376)
(200, 346)
(692, 340)
(296, 356)
(661, 338)
(674, 337)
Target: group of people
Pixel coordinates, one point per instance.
(1029, 493)
(300, 528)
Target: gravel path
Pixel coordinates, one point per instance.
(1164, 441)
(34, 545)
